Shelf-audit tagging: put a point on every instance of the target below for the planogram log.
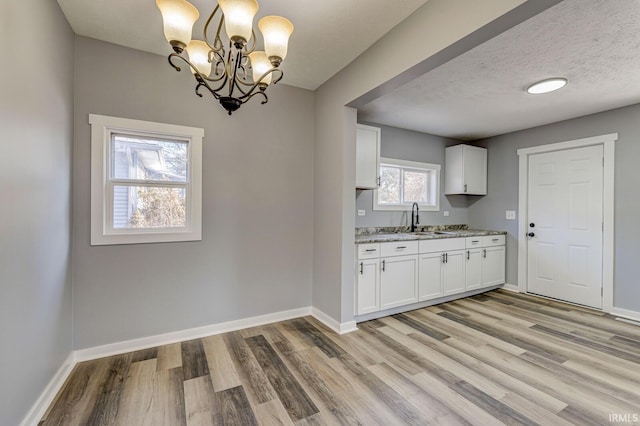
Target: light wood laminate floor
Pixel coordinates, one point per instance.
(496, 358)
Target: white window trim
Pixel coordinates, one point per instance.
(102, 127)
(407, 207)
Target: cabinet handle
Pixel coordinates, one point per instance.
(495, 240)
(468, 254)
(484, 254)
(443, 261)
(446, 258)
(475, 241)
(361, 268)
(383, 266)
(401, 247)
(465, 187)
(378, 180)
(370, 250)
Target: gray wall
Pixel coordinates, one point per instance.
(408, 145)
(335, 131)
(255, 256)
(489, 212)
(36, 124)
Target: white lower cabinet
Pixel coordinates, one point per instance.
(493, 266)
(368, 286)
(392, 274)
(485, 262)
(453, 272)
(473, 268)
(398, 281)
(430, 275)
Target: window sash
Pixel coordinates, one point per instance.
(103, 197)
(109, 229)
(432, 172)
(150, 136)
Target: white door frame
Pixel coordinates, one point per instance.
(608, 142)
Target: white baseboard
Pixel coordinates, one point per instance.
(340, 328)
(38, 409)
(189, 334)
(511, 287)
(625, 313)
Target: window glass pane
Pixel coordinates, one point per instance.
(134, 157)
(389, 191)
(415, 187)
(148, 207)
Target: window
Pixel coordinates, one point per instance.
(404, 182)
(146, 181)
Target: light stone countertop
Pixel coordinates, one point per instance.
(427, 235)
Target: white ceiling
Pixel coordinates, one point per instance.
(328, 33)
(593, 43)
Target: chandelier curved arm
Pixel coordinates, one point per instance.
(246, 99)
(201, 79)
(252, 91)
(217, 45)
(253, 43)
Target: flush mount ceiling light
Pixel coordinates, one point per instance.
(546, 86)
(231, 70)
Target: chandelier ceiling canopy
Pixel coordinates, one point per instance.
(230, 69)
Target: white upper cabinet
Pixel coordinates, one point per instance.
(367, 157)
(465, 170)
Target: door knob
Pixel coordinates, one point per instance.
(531, 234)
(532, 225)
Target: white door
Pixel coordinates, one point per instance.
(493, 271)
(473, 268)
(565, 225)
(430, 276)
(368, 286)
(453, 272)
(398, 281)
(367, 157)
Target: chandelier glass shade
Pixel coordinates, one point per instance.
(229, 68)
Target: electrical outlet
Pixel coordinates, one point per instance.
(362, 212)
(446, 213)
(511, 215)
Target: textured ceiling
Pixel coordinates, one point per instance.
(328, 33)
(593, 43)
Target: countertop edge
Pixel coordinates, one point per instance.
(378, 238)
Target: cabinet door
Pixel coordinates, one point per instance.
(493, 266)
(473, 268)
(430, 276)
(453, 272)
(367, 286)
(398, 281)
(475, 170)
(367, 157)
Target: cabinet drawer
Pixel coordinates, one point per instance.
(398, 248)
(368, 251)
(444, 244)
(493, 240)
(471, 242)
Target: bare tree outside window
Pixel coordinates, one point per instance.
(404, 182)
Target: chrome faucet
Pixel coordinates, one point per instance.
(415, 217)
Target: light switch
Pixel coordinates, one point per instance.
(446, 212)
(362, 212)
(511, 214)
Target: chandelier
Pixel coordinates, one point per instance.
(232, 70)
